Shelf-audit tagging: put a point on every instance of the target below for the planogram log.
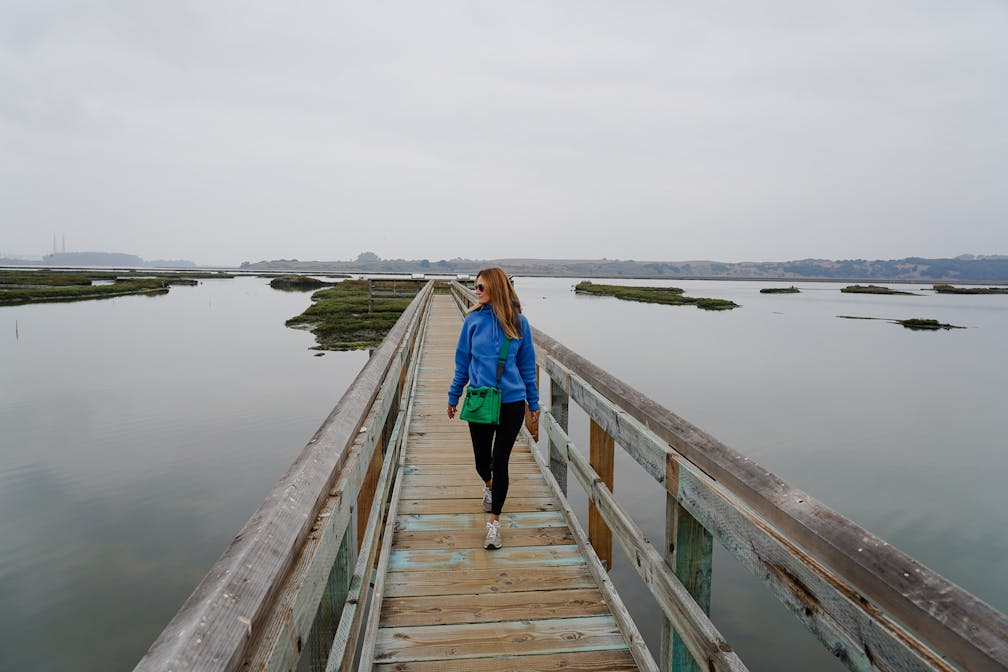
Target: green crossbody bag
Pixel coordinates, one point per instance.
(482, 404)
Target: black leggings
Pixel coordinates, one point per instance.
(492, 446)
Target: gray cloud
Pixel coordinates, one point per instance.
(226, 131)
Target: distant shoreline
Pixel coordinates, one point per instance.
(966, 269)
(406, 274)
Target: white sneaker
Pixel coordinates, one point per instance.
(487, 499)
(493, 539)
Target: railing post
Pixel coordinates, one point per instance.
(323, 629)
(601, 459)
(689, 550)
(367, 490)
(559, 404)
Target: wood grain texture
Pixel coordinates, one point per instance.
(470, 581)
(509, 556)
(483, 640)
(512, 606)
(475, 537)
(601, 451)
(466, 521)
(516, 489)
(474, 504)
(618, 660)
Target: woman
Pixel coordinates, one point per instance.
(496, 315)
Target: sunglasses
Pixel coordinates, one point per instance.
(480, 287)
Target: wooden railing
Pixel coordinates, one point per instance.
(871, 605)
(285, 589)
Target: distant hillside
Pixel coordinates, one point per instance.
(967, 268)
(113, 259)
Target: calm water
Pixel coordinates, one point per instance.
(902, 431)
(138, 435)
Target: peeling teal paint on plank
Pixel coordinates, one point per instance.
(431, 522)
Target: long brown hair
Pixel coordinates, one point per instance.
(503, 298)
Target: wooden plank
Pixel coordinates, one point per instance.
(509, 556)
(958, 624)
(366, 494)
(481, 640)
(514, 468)
(601, 447)
(449, 609)
(467, 479)
(466, 521)
(458, 492)
(475, 538)
(618, 660)
(487, 581)
(668, 553)
(694, 552)
(471, 504)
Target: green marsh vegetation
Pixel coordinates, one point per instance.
(18, 287)
(780, 290)
(340, 318)
(950, 289)
(671, 296)
(298, 283)
(914, 323)
(873, 289)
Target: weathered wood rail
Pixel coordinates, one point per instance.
(368, 555)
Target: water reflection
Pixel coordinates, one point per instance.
(138, 436)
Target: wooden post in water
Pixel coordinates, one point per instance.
(367, 490)
(689, 550)
(320, 639)
(559, 405)
(370, 295)
(601, 459)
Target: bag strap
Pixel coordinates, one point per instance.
(502, 359)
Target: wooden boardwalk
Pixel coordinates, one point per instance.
(448, 604)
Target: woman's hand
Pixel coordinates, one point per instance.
(535, 415)
(452, 410)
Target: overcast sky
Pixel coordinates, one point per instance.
(229, 131)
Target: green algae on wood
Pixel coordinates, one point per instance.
(950, 289)
(671, 296)
(873, 289)
(340, 319)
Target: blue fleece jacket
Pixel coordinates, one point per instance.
(479, 347)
